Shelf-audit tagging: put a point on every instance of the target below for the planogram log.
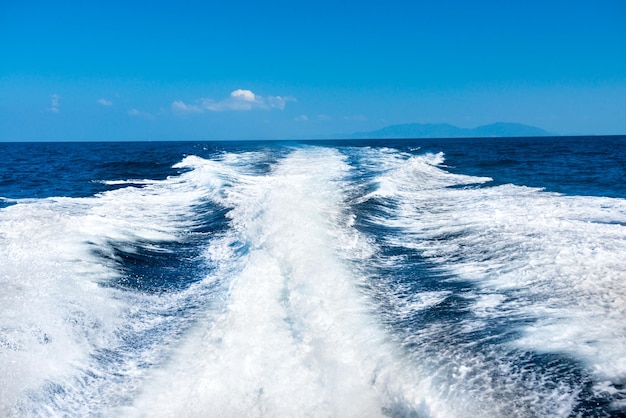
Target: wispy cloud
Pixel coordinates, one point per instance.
(139, 113)
(239, 99)
(180, 106)
(105, 102)
(301, 118)
(54, 103)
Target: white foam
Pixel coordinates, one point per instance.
(291, 329)
(141, 182)
(296, 337)
(419, 172)
(56, 253)
(51, 304)
(561, 258)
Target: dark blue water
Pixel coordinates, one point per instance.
(448, 277)
(594, 166)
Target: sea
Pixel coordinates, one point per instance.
(475, 277)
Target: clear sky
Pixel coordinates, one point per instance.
(231, 69)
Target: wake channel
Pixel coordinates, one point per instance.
(296, 336)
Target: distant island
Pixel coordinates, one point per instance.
(445, 130)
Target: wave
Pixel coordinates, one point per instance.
(296, 336)
(68, 326)
(537, 272)
(313, 281)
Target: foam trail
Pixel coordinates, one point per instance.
(49, 317)
(66, 340)
(300, 332)
(296, 337)
(388, 287)
(549, 265)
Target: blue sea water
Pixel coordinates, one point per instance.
(419, 278)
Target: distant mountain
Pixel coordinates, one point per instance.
(445, 130)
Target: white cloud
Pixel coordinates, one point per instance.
(139, 113)
(54, 103)
(239, 99)
(105, 102)
(301, 118)
(279, 102)
(180, 106)
(245, 95)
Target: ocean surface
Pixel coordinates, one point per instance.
(401, 278)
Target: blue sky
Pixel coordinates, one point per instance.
(113, 70)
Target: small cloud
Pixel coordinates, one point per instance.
(180, 106)
(139, 113)
(324, 117)
(239, 99)
(278, 101)
(105, 102)
(245, 95)
(301, 118)
(54, 103)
